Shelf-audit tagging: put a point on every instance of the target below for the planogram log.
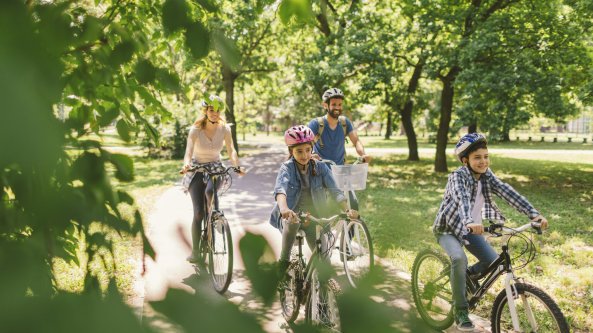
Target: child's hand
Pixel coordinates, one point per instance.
(475, 228)
(542, 220)
(315, 157)
(288, 215)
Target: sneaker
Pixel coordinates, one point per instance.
(464, 324)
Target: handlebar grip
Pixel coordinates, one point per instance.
(536, 225)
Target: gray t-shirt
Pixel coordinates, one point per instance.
(305, 203)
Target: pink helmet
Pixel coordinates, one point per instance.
(298, 134)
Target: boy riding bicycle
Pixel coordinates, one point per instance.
(467, 199)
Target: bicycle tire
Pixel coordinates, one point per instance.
(220, 254)
(431, 289)
(356, 251)
(547, 313)
(291, 292)
(322, 305)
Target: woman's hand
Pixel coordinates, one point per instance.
(241, 171)
(542, 220)
(475, 228)
(185, 168)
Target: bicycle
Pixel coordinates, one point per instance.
(216, 244)
(302, 284)
(535, 312)
(356, 246)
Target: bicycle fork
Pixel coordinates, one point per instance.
(512, 294)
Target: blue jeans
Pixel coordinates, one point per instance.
(479, 247)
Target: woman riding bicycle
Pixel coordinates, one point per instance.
(301, 185)
(204, 144)
(467, 199)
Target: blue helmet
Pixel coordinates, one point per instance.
(466, 142)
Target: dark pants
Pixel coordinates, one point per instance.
(197, 190)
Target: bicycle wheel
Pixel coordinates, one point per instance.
(431, 289)
(291, 290)
(537, 312)
(356, 251)
(220, 256)
(322, 305)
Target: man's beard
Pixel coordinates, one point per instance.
(331, 113)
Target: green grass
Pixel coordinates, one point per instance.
(401, 142)
(562, 192)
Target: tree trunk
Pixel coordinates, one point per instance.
(472, 128)
(389, 128)
(228, 78)
(406, 115)
(406, 112)
(447, 94)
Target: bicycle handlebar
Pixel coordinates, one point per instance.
(323, 221)
(499, 229)
(201, 168)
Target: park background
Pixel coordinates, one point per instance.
(98, 97)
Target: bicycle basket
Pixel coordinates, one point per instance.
(350, 177)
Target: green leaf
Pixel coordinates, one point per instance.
(301, 9)
(197, 39)
(263, 277)
(208, 5)
(123, 129)
(107, 116)
(175, 15)
(169, 81)
(91, 29)
(152, 133)
(227, 49)
(124, 167)
(125, 197)
(145, 71)
(122, 53)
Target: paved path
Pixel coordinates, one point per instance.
(247, 206)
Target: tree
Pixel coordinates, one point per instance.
(249, 25)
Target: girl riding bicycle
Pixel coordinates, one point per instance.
(467, 199)
(301, 185)
(204, 144)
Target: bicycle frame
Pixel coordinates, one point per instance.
(501, 266)
(211, 208)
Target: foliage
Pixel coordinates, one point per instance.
(178, 144)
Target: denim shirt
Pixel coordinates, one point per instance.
(460, 194)
(288, 183)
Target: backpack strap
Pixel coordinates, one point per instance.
(342, 120)
(321, 124)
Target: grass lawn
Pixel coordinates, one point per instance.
(563, 192)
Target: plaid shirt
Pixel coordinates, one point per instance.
(460, 194)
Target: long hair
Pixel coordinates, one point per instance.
(203, 118)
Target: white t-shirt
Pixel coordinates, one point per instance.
(204, 149)
(478, 205)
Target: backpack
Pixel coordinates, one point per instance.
(321, 124)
